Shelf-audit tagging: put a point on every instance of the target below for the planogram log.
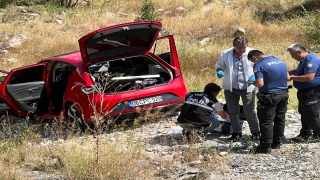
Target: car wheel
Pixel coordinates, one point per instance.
(75, 119)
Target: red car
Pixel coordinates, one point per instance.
(119, 70)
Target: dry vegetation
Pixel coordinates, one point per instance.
(216, 20)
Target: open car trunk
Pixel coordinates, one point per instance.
(128, 73)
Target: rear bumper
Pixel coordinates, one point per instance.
(159, 111)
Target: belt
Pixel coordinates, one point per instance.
(276, 93)
(310, 88)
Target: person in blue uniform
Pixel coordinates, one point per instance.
(196, 112)
(271, 77)
(306, 79)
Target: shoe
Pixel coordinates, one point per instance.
(275, 145)
(301, 139)
(255, 136)
(235, 137)
(262, 150)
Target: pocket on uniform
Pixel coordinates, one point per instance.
(312, 101)
(310, 93)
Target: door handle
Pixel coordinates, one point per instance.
(33, 90)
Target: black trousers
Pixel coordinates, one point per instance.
(271, 115)
(309, 105)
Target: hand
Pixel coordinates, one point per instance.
(292, 72)
(252, 79)
(220, 74)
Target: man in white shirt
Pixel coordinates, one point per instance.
(237, 70)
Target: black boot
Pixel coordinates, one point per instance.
(263, 148)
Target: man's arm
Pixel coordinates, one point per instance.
(220, 64)
(302, 78)
(259, 82)
(223, 114)
(218, 109)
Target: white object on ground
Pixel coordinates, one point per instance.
(175, 130)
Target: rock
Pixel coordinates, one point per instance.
(223, 153)
(110, 14)
(167, 12)
(204, 41)
(181, 9)
(123, 15)
(239, 32)
(207, 7)
(160, 10)
(16, 40)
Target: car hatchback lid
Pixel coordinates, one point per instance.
(117, 40)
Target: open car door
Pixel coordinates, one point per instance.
(165, 48)
(24, 91)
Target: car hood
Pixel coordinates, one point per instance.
(117, 40)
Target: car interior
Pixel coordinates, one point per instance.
(129, 73)
(60, 77)
(26, 86)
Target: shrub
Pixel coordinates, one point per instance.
(148, 12)
(4, 3)
(312, 30)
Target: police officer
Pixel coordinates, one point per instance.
(271, 77)
(306, 78)
(196, 112)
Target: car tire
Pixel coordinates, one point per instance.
(75, 119)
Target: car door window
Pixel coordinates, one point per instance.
(31, 74)
(25, 88)
(162, 49)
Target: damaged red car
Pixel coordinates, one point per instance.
(119, 70)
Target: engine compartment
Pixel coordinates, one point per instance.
(129, 73)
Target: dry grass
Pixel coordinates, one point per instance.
(74, 158)
(124, 159)
(118, 155)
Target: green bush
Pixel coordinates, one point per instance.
(4, 3)
(312, 30)
(148, 12)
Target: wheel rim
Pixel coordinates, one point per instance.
(75, 118)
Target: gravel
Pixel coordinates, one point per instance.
(291, 161)
(233, 160)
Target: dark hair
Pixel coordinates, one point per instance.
(240, 40)
(254, 52)
(212, 87)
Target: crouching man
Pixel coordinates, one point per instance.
(195, 116)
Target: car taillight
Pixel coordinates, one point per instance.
(89, 90)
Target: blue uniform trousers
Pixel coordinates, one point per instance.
(271, 110)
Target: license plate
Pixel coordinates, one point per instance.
(145, 101)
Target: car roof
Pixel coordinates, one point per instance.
(71, 58)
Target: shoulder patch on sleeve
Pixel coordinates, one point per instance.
(310, 65)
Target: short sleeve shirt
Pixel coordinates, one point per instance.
(197, 109)
(274, 73)
(309, 64)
